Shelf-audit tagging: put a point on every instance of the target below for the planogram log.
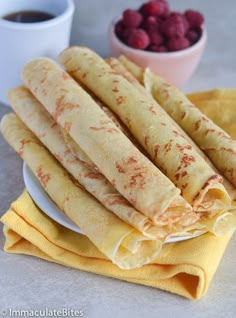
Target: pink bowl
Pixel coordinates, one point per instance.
(176, 67)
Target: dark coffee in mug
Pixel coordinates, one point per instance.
(28, 16)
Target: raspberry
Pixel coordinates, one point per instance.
(166, 10)
(156, 48)
(185, 23)
(126, 33)
(173, 27)
(178, 17)
(192, 36)
(132, 18)
(163, 49)
(194, 18)
(155, 38)
(153, 8)
(119, 28)
(151, 24)
(177, 43)
(138, 39)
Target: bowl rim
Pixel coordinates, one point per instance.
(150, 54)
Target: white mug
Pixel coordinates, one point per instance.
(21, 42)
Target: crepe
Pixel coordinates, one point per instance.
(126, 247)
(114, 118)
(202, 98)
(213, 140)
(117, 66)
(225, 221)
(152, 127)
(128, 170)
(76, 162)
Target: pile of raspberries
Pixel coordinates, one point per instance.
(153, 27)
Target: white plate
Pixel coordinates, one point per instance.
(45, 203)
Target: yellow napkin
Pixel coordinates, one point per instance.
(220, 106)
(185, 268)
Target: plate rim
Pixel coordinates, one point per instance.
(33, 186)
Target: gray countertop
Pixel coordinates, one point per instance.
(31, 283)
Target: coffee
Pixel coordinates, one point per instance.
(28, 16)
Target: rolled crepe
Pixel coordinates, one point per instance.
(120, 68)
(200, 98)
(213, 140)
(223, 222)
(75, 161)
(126, 247)
(114, 118)
(129, 171)
(152, 127)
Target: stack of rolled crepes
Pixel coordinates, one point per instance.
(113, 160)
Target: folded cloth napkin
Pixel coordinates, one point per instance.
(220, 106)
(185, 268)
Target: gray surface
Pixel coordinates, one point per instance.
(27, 282)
